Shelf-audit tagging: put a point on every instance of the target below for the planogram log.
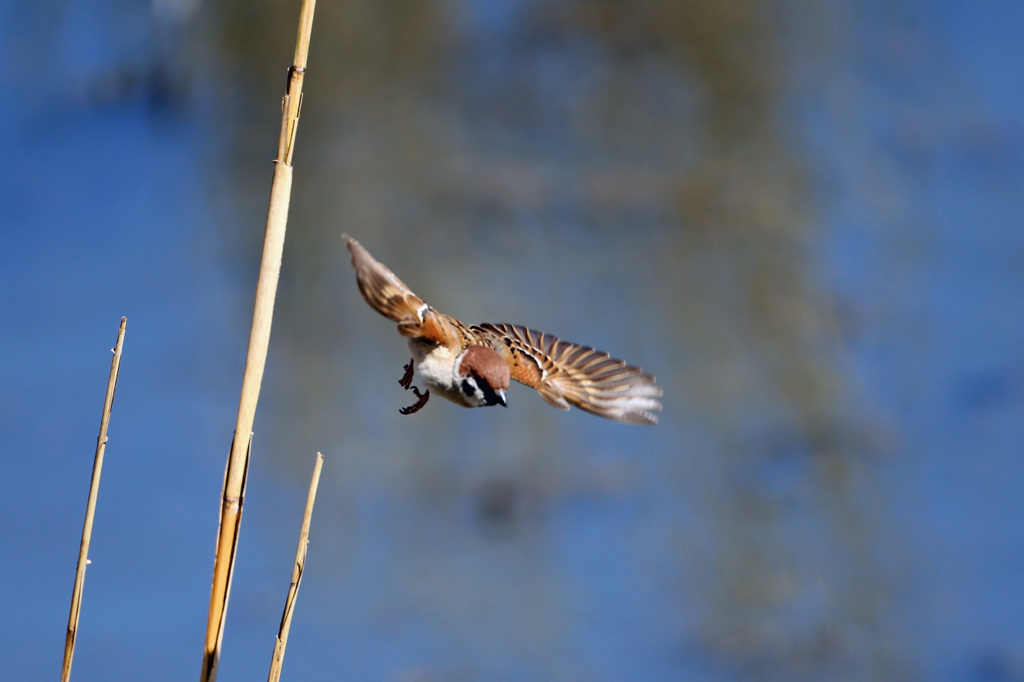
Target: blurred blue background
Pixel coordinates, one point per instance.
(805, 220)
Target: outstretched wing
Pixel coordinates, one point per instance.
(382, 289)
(566, 374)
(390, 297)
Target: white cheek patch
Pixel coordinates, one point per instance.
(457, 366)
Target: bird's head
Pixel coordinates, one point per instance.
(482, 376)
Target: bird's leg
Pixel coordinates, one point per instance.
(406, 379)
(406, 382)
(421, 400)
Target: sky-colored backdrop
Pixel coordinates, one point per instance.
(806, 221)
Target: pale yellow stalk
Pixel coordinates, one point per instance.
(297, 570)
(90, 508)
(259, 338)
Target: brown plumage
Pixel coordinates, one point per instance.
(472, 365)
(569, 374)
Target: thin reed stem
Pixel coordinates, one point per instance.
(90, 508)
(297, 570)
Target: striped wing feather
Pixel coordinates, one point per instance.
(385, 293)
(567, 374)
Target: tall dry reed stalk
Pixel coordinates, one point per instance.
(237, 467)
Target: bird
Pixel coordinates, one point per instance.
(472, 365)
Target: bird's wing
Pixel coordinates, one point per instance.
(390, 297)
(566, 374)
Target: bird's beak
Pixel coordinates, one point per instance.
(501, 397)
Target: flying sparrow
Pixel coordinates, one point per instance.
(471, 366)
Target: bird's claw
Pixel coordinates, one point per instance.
(421, 400)
(406, 383)
(406, 379)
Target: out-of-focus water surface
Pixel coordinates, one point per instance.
(806, 222)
